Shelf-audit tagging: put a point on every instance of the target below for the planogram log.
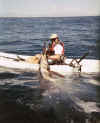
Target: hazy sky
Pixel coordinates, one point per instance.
(31, 8)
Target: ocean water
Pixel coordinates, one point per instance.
(26, 35)
(74, 99)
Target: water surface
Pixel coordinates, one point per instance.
(25, 96)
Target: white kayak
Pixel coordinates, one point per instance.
(8, 60)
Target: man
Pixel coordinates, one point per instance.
(56, 48)
(54, 52)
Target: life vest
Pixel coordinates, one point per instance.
(50, 50)
(54, 44)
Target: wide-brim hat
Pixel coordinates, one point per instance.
(53, 36)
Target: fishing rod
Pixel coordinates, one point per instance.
(81, 58)
(77, 61)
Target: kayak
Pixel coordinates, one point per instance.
(9, 60)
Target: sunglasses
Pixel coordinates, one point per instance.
(55, 38)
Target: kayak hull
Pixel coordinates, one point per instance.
(8, 60)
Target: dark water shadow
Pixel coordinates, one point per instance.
(23, 104)
(54, 102)
(5, 75)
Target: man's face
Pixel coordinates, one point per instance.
(56, 40)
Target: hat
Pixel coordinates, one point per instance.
(53, 36)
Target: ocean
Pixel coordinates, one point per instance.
(75, 99)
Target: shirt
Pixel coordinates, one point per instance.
(58, 49)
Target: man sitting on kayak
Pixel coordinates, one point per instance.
(55, 49)
(54, 52)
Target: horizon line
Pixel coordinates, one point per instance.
(46, 16)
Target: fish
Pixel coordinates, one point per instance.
(45, 71)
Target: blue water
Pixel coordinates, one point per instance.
(74, 99)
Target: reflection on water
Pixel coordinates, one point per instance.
(74, 98)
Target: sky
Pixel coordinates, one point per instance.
(49, 8)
